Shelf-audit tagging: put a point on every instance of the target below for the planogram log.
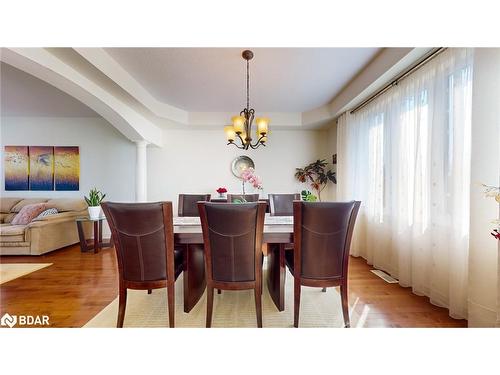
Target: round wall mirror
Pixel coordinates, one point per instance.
(241, 163)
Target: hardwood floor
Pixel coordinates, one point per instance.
(77, 286)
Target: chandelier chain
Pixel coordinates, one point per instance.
(248, 85)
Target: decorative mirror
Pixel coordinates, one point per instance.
(241, 163)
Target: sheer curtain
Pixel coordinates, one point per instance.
(406, 156)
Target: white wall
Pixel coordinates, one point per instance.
(328, 147)
(107, 158)
(200, 162)
(484, 298)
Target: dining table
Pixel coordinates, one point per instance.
(188, 235)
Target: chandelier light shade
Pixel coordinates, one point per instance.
(239, 133)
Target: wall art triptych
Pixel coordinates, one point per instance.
(42, 168)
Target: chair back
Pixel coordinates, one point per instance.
(322, 238)
(187, 204)
(247, 197)
(232, 235)
(144, 239)
(282, 204)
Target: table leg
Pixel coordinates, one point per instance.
(194, 275)
(100, 235)
(81, 236)
(96, 237)
(276, 274)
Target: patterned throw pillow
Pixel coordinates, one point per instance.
(48, 212)
(28, 213)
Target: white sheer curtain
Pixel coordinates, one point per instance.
(406, 156)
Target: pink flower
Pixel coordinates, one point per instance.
(248, 175)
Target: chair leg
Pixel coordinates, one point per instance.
(210, 305)
(219, 291)
(258, 305)
(150, 291)
(171, 304)
(345, 305)
(122, 303)
(296, 302)
(323, 290)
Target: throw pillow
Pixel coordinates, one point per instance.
(48, 212)
(28, 213)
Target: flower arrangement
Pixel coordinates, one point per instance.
(221, 190)
(248, 175)
(494, 192)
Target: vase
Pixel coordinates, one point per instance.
(222, 195)
(94, 212)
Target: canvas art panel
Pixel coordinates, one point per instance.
(67, 168)
(16, 168)
(41, 167)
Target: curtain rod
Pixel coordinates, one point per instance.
(403, 75)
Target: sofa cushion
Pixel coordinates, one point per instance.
(6, 204)
(67, 204)
(12, 233)
(47, 212)
(9, 217)
(25, 202)
(28, 213)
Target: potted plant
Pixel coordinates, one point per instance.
(307, 196)
(222, 191)
(94, 202)
(317, 175)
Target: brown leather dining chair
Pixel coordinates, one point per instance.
(282, 204)
(322, 239)
(232, 234)
(143, 235)
(247, 197)
(187, 204)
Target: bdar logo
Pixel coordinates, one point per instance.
(8, 320)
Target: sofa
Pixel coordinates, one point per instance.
(42, 234)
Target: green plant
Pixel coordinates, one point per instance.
(316, 175)
(242, 200)
(95, 198)
(307, 196)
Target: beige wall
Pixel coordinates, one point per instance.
(484, 298)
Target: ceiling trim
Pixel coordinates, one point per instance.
(42, 64)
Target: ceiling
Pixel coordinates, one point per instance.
(24, 95)
(213, 79)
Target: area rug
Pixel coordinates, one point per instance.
(231, 309)
(11, 271)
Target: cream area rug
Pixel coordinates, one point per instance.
(231, 309)
(11, 271)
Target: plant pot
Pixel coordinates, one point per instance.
(95, 212)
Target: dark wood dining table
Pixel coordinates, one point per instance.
(278, 231)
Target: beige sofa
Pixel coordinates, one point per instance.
(41, 235)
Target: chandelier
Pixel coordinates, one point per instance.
(240, 132)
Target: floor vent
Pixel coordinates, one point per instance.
(384, 276)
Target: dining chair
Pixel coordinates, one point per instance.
(282, 204)
(322, 238)
(187, 204)
(143, 235)
(232, 234)
(247, 197)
